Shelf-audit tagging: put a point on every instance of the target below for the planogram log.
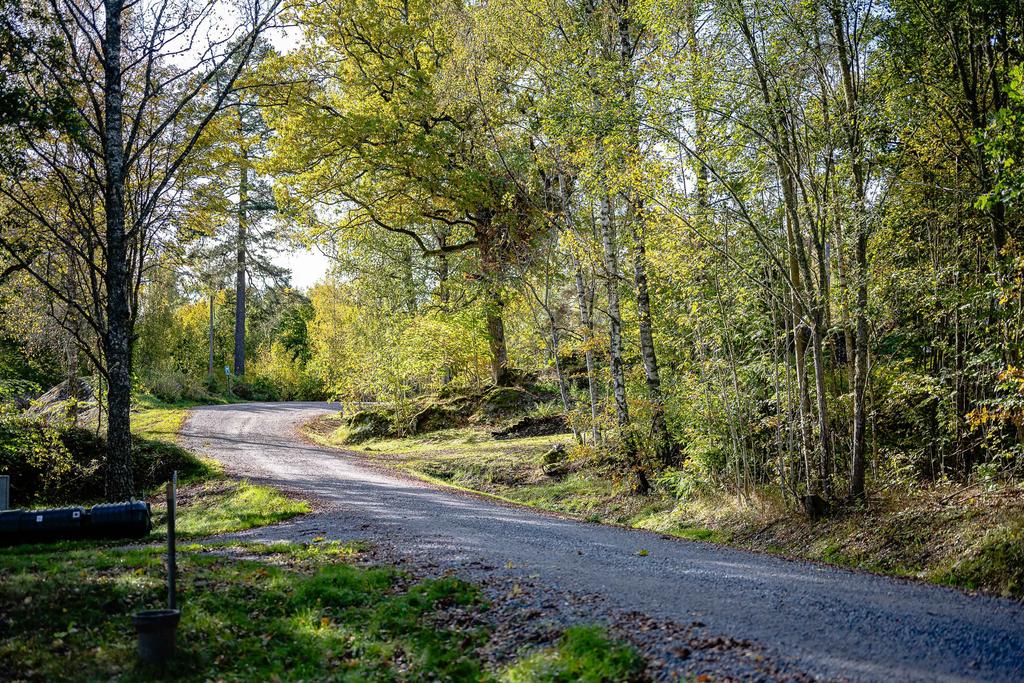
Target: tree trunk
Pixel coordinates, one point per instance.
(665, 449)
(820, 393)
(491, 263)
(209, 369)
(585, 321)
(588, 353)
(70, 342)
(611, 274)
(117, 342)
(409, 280)
(240, 266)
(563, 386)
(611, 268)
(860, 361)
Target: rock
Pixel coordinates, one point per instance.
(504, 402)
(555, 463)
(368, 424)
(452, 392)
(449, 409)
(54, 403)
(533, 426)
(437, 416)
(815, 507)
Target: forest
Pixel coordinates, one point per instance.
(479, 340)
(755, 247)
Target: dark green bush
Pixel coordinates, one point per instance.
(39, 464)
(52, 465)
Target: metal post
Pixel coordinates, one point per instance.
(172, 567)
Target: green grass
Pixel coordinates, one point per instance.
(154, 419)
(583, 653)
(284, 612)
(290, 615)
(221, 506)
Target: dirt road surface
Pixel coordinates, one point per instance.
(831, 623)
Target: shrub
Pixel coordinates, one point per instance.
(39, 464)
(52, 465)
(172, 386)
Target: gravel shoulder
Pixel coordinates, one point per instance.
(695, 608)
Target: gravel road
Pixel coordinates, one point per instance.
(830, 623)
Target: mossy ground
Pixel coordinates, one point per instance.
(284, 612)
(968, 537)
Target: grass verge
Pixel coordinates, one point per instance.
(219, 505)
(970, 537)
(284, 612)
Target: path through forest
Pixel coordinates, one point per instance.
(828, 622)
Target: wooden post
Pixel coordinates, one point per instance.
(172, 567)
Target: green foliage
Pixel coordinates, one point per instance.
(280, 374)
(1004, 143)
(58, 464)
(364, 348)
(583, 653)
(173, 386)
(39, 464)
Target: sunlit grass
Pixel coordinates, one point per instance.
(298, 612)
(584, 653)
(302, 617)
(221, 506)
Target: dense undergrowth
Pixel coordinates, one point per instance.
(969, 536)
(283, 612)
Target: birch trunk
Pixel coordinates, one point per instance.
(665, 449)
(611, 274)
(584, 309)
(858, 457)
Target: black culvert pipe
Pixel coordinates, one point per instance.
(110, 520)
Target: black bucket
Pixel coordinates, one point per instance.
(156, 629)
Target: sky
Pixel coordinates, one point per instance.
(308, 266)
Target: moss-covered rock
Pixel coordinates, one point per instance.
(436, 416)
(502, 403)
(447, 410)
(368, 424)
(532, 425)
(555, 463)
